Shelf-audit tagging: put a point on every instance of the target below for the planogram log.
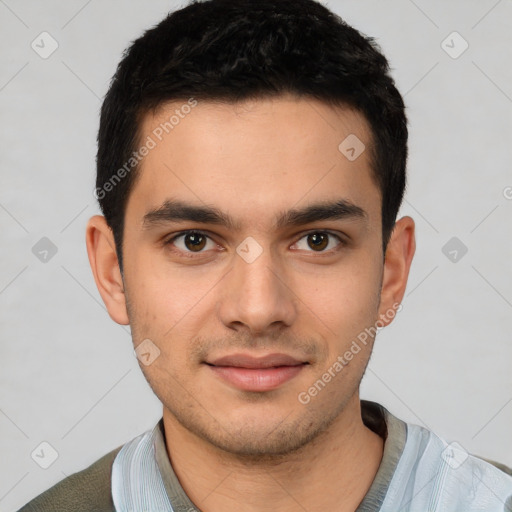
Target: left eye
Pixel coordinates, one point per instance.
(318, 241)
(192, 241)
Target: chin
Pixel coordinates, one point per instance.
(261, 445)
(258, 439)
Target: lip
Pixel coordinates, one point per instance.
(248, 361)
(249, 373)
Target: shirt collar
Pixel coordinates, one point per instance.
(394, 432)
(175, 492)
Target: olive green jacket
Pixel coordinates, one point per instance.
(86, 491)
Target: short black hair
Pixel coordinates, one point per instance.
(236, 50)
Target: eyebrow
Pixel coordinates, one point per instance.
(180, 211)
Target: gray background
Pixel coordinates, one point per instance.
(68, 375)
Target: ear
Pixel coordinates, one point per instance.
(399, 254)
(105, 268)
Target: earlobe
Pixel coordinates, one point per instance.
(397, 263)
(105, 268)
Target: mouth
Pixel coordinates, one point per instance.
(249, 373)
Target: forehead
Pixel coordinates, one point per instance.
(254, 158)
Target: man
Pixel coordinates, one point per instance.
(251, 164)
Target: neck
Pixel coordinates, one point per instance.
(332, 472)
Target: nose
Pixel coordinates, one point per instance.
(257, 295)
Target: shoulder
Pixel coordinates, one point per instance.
(499, 465)
(89, 489)
(451, 478)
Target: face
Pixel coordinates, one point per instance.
(252, 261)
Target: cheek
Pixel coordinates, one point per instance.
(350, 305)
(169, 310)
(162, 297)
(348, 296)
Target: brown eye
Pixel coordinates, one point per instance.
(318, 241)
(188, 242)
(195, 242)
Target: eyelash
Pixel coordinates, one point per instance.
(190, 254)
